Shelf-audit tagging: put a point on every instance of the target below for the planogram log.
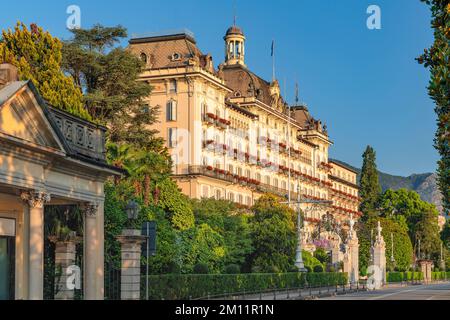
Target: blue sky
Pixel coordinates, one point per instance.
(364, 84)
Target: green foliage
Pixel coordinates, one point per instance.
(108, 76)
(38, 57)
(437, 59)
(179, 287)
(393, 277)
(404, 206)
(318, 269)
(427, 231)
(370, 188)
(201, 268)
(321, 255)
(232, 269)
(273, 234)
(403, 249)
(233, 225)
(310, 261)
(176, 204)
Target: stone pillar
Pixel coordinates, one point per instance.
(335, 252)
(353, 245)
(426, 267)
(93, 252)
(131, 244)
(379, 255)
(36, 201)
(64, 257)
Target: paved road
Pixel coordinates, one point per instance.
(417, 292)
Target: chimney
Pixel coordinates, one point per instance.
(8, 73)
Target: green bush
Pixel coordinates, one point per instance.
(393, 277)
(318, 268)
(179, 287)
(232, 269)
(201, 268)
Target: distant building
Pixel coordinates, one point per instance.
(232, 135)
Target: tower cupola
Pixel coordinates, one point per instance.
(234, 46)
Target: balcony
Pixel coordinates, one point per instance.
(82, 138)
(212, 119)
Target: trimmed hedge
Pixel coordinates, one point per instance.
(403, 276)
(183, 287)
(408, 276)
(440, 275)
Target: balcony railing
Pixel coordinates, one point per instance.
(83, 138)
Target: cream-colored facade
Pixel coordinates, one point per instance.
(47, 158)
(231, 134)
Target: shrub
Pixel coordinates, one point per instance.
(232, 269)
(181, 287)
(201, 268)
(318, 268)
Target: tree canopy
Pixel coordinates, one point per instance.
(38, 58)
(437, 59)
(370, 188)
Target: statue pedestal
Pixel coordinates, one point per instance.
(379, 260)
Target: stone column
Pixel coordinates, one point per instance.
(131, 244)
(379, 255)
(64, 257)
(351, 258)
(93, 253)
(36, 201)
(426, 269)
(335, 252)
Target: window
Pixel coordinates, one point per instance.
(231, 197)
(249, 201)
(144, 58)
(240, 199)
(204, 110)
(218, 194)
(171, 111)
(173, 86)
(172, 137)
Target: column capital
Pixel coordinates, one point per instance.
(89, 209)
(35, 199)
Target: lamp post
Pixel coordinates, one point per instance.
(299, 252)
(392, 252)
(132, 210)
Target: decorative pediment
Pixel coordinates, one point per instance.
(22, 118)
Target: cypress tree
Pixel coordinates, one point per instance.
(370, 188)
(38, 57)
(437, 59)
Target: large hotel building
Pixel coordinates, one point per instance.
(232, 135)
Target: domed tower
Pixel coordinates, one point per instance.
(234, 46)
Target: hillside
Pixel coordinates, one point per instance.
(424, 184)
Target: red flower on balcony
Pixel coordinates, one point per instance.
(209, 168)
(212, 116)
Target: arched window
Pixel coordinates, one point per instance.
(231, 196)
(240, 199)
(144, 58)
(218, 194)
(275, 182)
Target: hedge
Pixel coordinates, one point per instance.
(183, 287)
(403, 276)
(408, 276)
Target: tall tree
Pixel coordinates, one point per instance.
(437, 59)
(370, 188)
(427, 231)
(108, 75)
(38, 57)
(273, 234)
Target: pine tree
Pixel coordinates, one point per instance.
(370, 188)
(437, 59)
(108, 76)
(38, 57)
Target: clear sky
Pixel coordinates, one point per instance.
(364, 84)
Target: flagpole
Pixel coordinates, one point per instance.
(273, 60)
